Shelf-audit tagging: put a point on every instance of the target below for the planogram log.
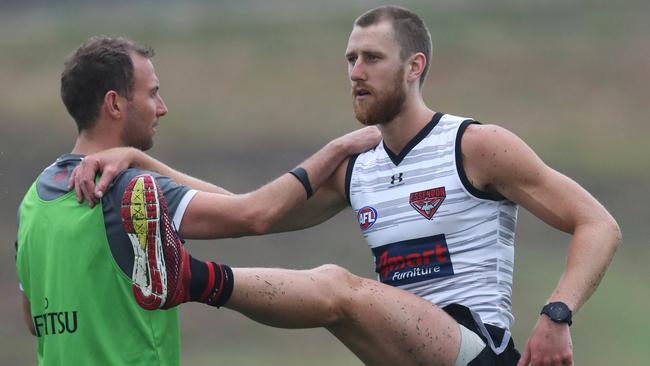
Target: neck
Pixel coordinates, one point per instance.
(89, 142)
(401, 129)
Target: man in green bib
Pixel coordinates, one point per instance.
(75, 263)
(71, 260)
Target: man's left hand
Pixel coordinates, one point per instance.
(109, 163)
(549, 344)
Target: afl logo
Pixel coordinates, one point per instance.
(367, 216)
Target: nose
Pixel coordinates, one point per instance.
(161, 108)
(356, 71)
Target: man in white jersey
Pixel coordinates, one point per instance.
(437, 201)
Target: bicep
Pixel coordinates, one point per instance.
(503, 163)
(551, 196)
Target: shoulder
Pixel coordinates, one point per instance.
(492, 153)
(491, 142)
(479, 138)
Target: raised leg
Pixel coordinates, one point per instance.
(381, 324)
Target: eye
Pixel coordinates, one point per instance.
(351, 59)
(372, 57)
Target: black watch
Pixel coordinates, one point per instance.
(558, 312)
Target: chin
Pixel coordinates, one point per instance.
(362, 119)
(368, 123)
(362, 116)
(144, 145)
(366, 119)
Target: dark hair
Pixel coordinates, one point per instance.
(410, 32)
(99, 65)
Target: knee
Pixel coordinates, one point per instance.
(333, 275)
(336, 285)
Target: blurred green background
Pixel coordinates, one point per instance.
(255, 86)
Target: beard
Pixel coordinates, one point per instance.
(137, 132)
(382, 107)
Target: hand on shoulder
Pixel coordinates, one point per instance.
(109, 163)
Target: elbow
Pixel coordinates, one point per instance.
(617, 234)
(260, 227)
(257, 221)
(609, 232)
(257, 217)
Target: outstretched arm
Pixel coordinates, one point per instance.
(497, 160)
(262, 211)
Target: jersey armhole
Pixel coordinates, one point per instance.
(348, 177)
(461, 169)
(182, 206)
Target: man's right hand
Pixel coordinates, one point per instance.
(109, 163)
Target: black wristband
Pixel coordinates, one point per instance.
(301, 175)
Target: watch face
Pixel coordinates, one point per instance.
(557, 312)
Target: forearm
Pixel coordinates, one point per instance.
(327, 201)
(591, 250)
(320, 208)
(321, 166)
(287, 195)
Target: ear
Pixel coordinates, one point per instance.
(114, 104)
(416, 67)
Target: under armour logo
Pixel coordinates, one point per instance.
(396, 178)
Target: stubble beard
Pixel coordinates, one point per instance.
(383, 107)
(133, 134)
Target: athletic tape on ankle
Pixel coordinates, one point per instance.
(301, 175)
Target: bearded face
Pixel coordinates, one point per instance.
(145, 107)
(373, 106)
(139, 127)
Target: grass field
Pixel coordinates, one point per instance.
(255, 86)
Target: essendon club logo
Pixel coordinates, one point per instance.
(427, 202)
(367, 216)
(413, 260)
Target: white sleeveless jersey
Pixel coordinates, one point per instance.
(431, 232)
